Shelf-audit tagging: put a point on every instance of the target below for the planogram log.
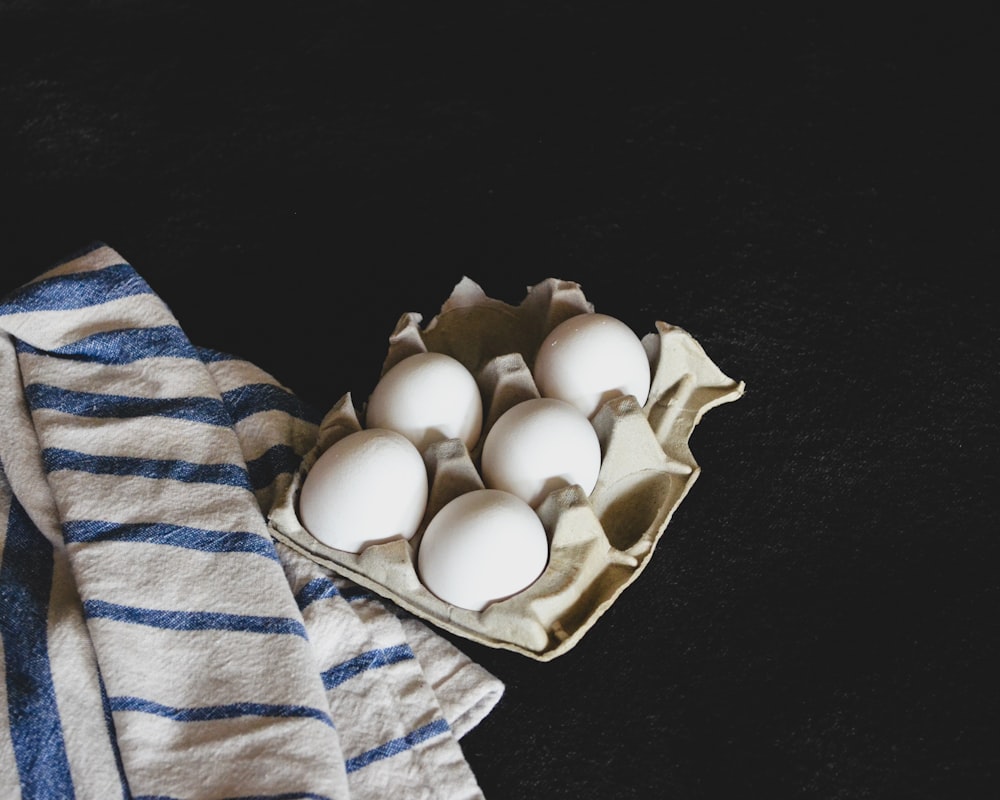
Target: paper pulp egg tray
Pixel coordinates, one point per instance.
(598, 544)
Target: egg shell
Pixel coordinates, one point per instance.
(344, 502)
(483, 546)
(538, 446)
(427, 397)
(589, 359)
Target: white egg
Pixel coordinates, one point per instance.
(369, 487)
(538, 446)
(591, 358)
(483, 546)
(428, 397)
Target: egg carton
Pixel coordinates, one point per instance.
(598, 544)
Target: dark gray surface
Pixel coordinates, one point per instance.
(812, 196)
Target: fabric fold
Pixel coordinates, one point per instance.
(207, 660)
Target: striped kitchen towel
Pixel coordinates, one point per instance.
(156, 641)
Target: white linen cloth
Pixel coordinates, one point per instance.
(155, 641)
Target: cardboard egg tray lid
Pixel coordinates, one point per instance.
(599, 544)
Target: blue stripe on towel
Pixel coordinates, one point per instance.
(109, 725)
(122, 346)
(315, 590)
(210, 355)
(55, 458)
(207, 541)
(208, 713)
(373, 659)
(76, 290)
(396, 746)
(270, 397)
(277, 460)
(253, 398)
(94, 404)
(35, 727)
(282, 796)
(324, 588)
(193, 620)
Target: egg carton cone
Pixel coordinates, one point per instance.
(598, 543)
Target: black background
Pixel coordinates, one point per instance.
(811, 194)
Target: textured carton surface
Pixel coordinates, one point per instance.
(599, 544)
